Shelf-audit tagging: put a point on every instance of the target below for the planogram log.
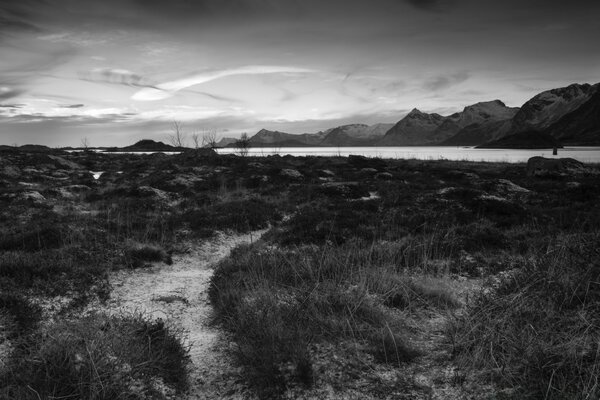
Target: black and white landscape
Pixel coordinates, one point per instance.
(260, 199)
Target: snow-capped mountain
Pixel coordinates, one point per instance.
(548, 107)
(423, 129)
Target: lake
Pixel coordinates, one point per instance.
(584, 154)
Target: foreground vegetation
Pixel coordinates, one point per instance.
(377, 278)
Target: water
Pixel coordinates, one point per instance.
(583, 154)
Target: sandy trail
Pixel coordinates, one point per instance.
(179, 295)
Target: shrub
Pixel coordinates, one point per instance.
(137, 254)
(21, 310)
(97, 357)
(239, 215)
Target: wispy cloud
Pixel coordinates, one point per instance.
(431, 5)
(168, 89)
(9, 93)
(442, 82)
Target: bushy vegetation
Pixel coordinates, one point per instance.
(237, 215)
(97, 357)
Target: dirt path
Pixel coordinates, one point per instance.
(178, 294)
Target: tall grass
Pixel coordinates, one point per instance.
(277, 303)
(537, 329)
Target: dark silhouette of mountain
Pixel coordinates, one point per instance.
(150, 145)
(523, 140)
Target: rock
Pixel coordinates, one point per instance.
(327, 172)
(156, 195)
(540, 166)
(10, 171)
(506, 187)
(182, 182)
(573, 185)
(350, 190)
(385, 176)
(64, 164)
(32, 196)
(291, 173)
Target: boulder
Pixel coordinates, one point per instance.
(540, 166)
(64, 164)
(32, 196)
(384, 176)
(291, 174)
(505, 186)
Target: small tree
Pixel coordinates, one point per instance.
(177, 136)
(242, 145)
(209, 139)
(85, 144)
(196, 140)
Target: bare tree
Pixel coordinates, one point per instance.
(85, 144)
(209, 139)
(196, 140)
(242, 145)
(177, 136)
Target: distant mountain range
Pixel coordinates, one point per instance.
(567, 116)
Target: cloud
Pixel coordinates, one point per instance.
(168, 89)
(9, 93)
(442, 82)
(17, 15)
(73, 106)
(114, 75)
(431, 5)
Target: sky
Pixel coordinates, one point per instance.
(117, 71)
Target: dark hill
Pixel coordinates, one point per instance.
(523, 140)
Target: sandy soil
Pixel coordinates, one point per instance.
(178, 294)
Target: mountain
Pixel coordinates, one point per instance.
(415, 129)
(266, 138)
(523, 140)
(149, 145)
(581, 126)
(355, 135)
(476, 124)
(570, 115)
(226, 141)
(476, 134)
(467, 127)
(548, 107)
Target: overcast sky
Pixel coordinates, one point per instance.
(116, 71)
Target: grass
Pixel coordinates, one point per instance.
(536, 330)
(241, 216)
(338, 278)
(97, 357)
(277, 303)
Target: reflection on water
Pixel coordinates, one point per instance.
(584, 154)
